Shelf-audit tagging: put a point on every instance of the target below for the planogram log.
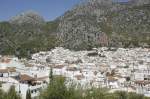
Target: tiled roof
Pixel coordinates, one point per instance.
(58, 66)
(72, 69)
(79, 77)
(42, 78)
(142, 82)
(11, 69)
(25, 77)
(3, 70)
(111, 78)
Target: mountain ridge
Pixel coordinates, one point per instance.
(102, 17)
(92, 23)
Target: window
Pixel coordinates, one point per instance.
(1, 75)
(145, 79)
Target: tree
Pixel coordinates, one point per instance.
(55, 90)
(12, 94)
(135, 96)
(113, 72)
(28, 94)
(96, 93)
(2, 94)
(121, 94)
(51, 74)
(0, 84)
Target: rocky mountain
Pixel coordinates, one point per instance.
(29, 17)
(26, 33)
(106, 23)
(92, 23)
(139, 2)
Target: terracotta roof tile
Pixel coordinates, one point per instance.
(25, 77)
(3, 70)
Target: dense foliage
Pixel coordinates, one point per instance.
(57, 90)
(125, 24)
(93, 23)
(11, 94)
(24, 39)
(28, 94)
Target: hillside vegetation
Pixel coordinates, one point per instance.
(106, 23)
(92, 23)
(25, 34)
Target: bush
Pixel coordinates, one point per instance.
(12, 94)
(28, 94)
(57, 89)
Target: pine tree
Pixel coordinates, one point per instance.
(51, 74)
(28, 94)
(0, 84)
(2, 94)
(12, 94)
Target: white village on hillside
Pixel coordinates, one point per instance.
(117, 69)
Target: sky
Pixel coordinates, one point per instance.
(49, 9)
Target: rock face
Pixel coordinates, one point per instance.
(29, 17)
(92, 23)
(121, 23)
